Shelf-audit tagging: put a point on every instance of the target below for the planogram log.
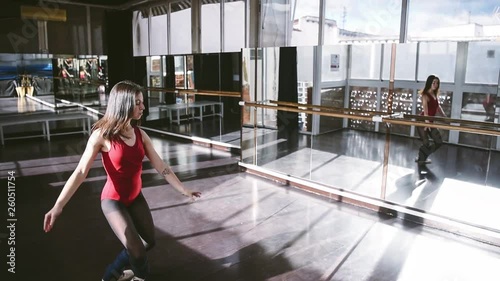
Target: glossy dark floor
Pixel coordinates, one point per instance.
(243, 228)
(353, 160)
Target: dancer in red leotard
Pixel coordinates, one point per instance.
(123, 146)
(430, 104)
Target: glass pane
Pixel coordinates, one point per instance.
(333, 97)
(483, 63)
(270, 82)
(159, 35)
(180, 26)
(154, 72)
(348, 160)
(234, 26)
(140, 32)
(402, 102)
(445, 100)
(362, 20)
(305, 18)
(334, 63)
(478, 107)
(437, 58)
(210, 27)
(364, 98)
(180, 69)
(453, 20)
(305, 64)
(458, 176)
(248, 81)
(366, 61)
(275, 23)
(406, 61)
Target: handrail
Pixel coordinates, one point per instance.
(195, 92)
(165, 90)
(90, 82)
(455, 124)
(451, 120)
(329, 108)
(210, 93)
(291, 109)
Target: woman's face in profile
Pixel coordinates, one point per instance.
(435, 84)
(138, 107)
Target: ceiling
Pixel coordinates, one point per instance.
(112, 3)
(102, 3)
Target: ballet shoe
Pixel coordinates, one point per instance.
(127, 275)
(422, 162)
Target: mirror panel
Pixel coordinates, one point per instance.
(190, 95)
(349, 153)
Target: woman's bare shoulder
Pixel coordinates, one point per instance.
(145, 137)
(96, 137)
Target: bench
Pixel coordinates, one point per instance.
(200, 105)
(44, 120)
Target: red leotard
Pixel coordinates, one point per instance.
(123, 165)
(432, 105)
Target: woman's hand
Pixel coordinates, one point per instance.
(193, 194)
(50, 218)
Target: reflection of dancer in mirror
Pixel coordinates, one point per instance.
(430, 104)
(123, 146)
(83, 74)
(489, 107)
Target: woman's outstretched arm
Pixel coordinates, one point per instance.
(162, 168)
(93, 147)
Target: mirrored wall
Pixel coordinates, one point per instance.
(46, 82)
(80, 81)
(23, 76)
(195, 95)
(312, 119)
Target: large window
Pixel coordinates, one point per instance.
(275, 23)
(234, 26)
(180, 26)
(406, 60)
(438, 58)
(363, 19)
(305, 22)
(140, 33)
(210, 27)
(452, 19)
(483, 63)
(159, 35)
(366, 61)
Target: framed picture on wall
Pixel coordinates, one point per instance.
(155, 64)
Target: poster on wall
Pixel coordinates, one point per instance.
(334, 62)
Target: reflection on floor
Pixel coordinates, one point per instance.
(459, 176)
(243, 228)
(24, 105)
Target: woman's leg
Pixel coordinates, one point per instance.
(141, 216)
(437, 139)
(123, 226)
(424, 150)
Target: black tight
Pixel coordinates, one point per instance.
(427, 147)
(133, 225)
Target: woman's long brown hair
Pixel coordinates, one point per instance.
(120, 108)
(428, 85)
